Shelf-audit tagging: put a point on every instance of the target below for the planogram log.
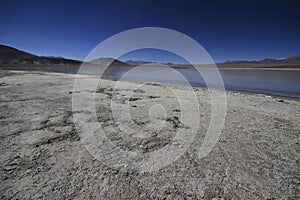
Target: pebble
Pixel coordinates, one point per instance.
(10, 167)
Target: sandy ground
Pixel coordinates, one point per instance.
(41, 155)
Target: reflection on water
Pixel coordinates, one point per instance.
(278, 82)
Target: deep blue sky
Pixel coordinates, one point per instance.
(228, 30)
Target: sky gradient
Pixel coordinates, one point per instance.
(228, 30)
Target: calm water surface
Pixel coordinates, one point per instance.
(278, 82)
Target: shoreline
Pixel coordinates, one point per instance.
(143, 81)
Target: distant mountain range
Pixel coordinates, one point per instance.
(13, 57)
(139, 62)
(288, 60)
(9, 55)
(143, 62)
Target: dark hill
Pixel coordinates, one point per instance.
(106, 61)
(10, 55)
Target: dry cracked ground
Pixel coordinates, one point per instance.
(42, 154)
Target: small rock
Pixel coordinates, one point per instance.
(10, 167)
(3, 84)
(176, 143)
(280, 100)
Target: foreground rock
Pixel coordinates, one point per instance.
(41, 155)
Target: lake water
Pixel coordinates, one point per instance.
(277, 82)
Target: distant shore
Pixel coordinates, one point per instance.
(200, 66)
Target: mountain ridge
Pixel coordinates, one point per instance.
(287, 60)
(10, 55)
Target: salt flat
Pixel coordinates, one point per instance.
(42, 155)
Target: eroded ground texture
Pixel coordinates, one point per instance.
(42, 154)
